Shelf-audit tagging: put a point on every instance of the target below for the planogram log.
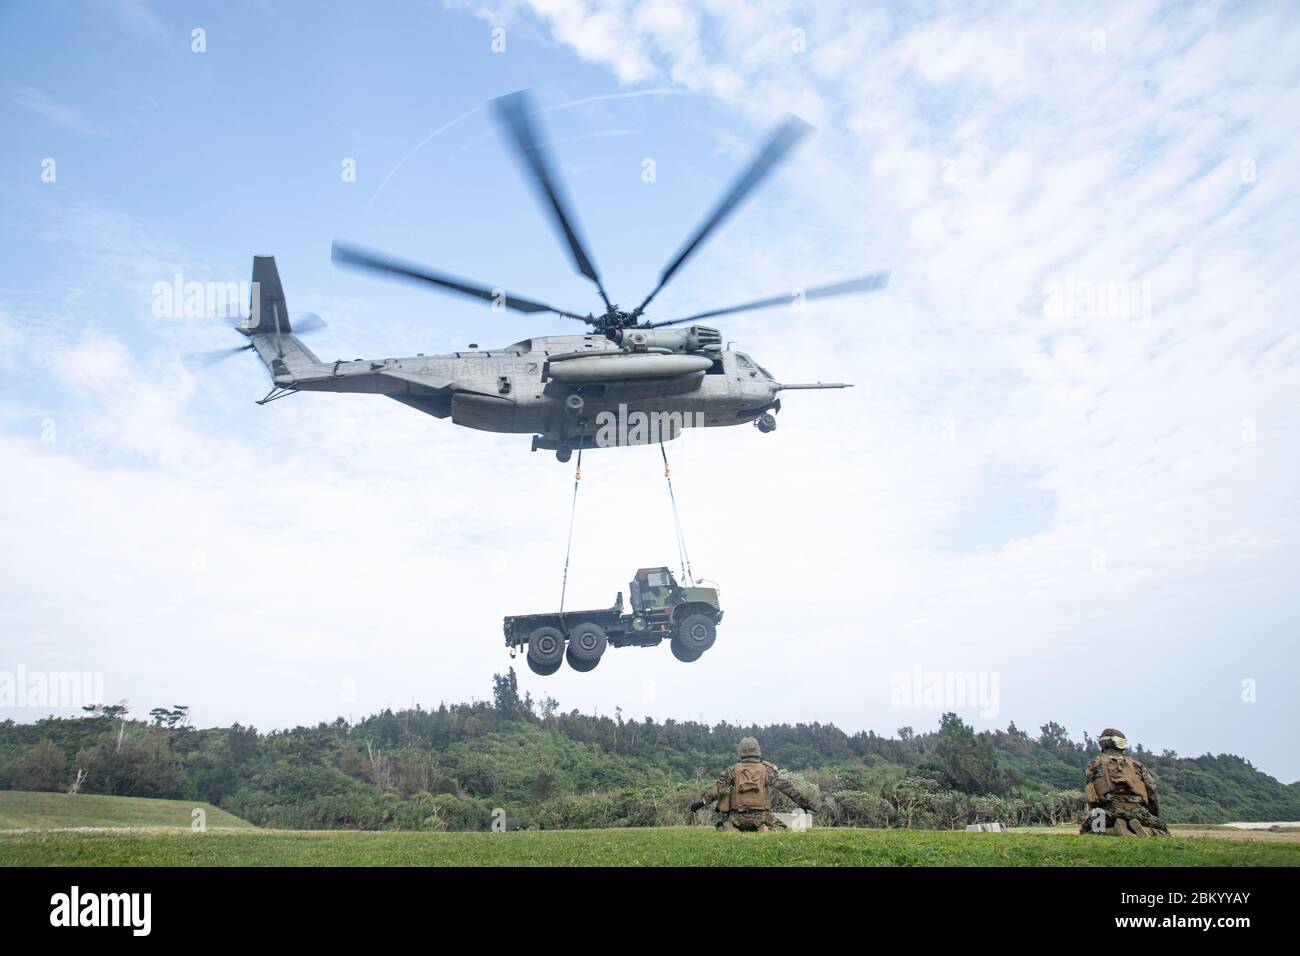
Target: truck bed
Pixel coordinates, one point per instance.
(518, 627)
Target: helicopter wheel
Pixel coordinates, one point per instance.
(766, 423)
(563, 454)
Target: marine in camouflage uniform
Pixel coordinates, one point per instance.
(744, 793)
(1119, 793)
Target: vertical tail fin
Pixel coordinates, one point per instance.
(268, 324)
(269, 311)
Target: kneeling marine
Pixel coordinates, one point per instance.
(744, 793)
(1119, 793)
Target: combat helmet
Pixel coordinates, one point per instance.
(1112, 738)
(749, 747)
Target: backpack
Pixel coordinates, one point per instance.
(1118, 777)
(749, 786)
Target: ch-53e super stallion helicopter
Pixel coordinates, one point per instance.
(557, 386)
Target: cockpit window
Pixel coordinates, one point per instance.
(658, 579)
(743, 361)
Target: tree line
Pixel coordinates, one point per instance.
(452, 767)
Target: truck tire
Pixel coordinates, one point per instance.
(587, 642)
(578, 664)
(695, 633)
(541, 671)
(545, 649)
(682, 654)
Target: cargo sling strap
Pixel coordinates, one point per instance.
(682, 556)
(573, 512)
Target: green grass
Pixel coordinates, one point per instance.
(20, 810)
(689, 846)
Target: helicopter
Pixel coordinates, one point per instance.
(563, 389)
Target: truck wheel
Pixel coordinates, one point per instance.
(545, 649)
(587, 642)
(545, 671)
(696, 633)
(682, 654)
(578, 664)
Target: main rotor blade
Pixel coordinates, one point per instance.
(357, 257)
(782, 140)
(512, 112)
(871, 282)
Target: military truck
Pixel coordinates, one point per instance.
(661, 609)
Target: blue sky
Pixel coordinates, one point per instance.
(1093, 503)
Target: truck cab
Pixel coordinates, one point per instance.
(652, 589)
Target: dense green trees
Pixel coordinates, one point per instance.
(451, 767)
(41, 767)
(137, 764)
(968, 761)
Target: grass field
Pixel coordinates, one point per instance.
(54, 829)
(52, 811)
(677, 846)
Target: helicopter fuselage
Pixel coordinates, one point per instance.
(524, 388)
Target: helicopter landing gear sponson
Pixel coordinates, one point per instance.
(765, 422)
